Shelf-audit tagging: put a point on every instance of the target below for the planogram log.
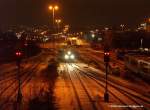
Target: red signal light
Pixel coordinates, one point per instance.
(107, 53)
(26, 44)
(106, 57)
(18, 53)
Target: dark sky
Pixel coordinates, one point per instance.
(75, 12)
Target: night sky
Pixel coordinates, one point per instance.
(75, 12)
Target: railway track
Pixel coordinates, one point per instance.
(25, 78)
(120, 85)
(82, 95)
(14, 80)
(103, 68)
(9, 90)
(134, 98)
(103, 86)
(11, 75)
(120, 64)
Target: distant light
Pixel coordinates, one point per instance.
(122, 25)
(56, 7)
(143, 24)
(107, 53)
(92, 31)
(146, 49)
(58, 21)
(50, 7)
(99, 39)
(66, 57)
(73, 38)
(81, 33)
(18, 53)
(149, 20)
(26, 44)
(106, 28)
(96, 30)
(18, 35)
(139, 28)
(53, 7)
(72, 56)
(66, 26)
(46, 39)
(69, 52)
(93, 35)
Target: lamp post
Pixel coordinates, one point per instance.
(58, 21)
(53, 8)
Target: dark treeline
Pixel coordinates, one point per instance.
(9, 43)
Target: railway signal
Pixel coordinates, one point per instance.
(106, 60)
(19, 55)
(106, 56)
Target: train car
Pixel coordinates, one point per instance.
(139, 64)
(120, 54)
(67, 55)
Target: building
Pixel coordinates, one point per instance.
(146, 25)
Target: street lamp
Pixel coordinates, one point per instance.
(58, 21)
(53, 8)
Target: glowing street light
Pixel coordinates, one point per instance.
(53, 8)
(58, 21)
(56, 7)
(50, 7)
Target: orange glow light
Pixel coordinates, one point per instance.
(56, 7)
(50, 7)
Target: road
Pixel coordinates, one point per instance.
(74, 86)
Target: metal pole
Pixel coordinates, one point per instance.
(58, 27)
(106, 95)
(106, 76)
(141, 42)
(54, 27)
(53, 17)
(19, 97)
